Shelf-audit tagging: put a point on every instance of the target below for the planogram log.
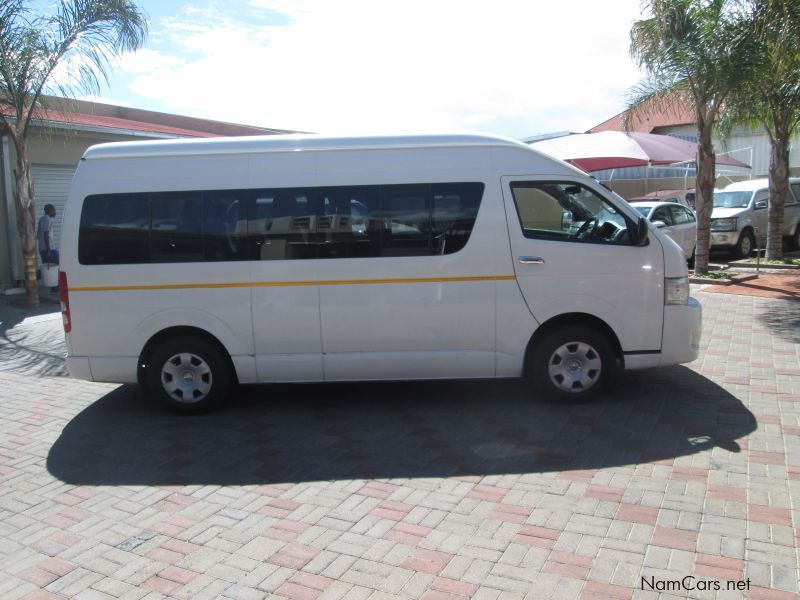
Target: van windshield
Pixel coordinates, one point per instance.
(732, 199)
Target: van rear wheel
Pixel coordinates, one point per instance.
(573, 364)
(188, 375)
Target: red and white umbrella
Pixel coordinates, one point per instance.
(617, 149)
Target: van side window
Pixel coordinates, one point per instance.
(177, 227)
(115, 230)
(278, 224)
(225, 225)
(283, 224)
(349, 226)
(567, 212)
(455, 208)
(406, 221)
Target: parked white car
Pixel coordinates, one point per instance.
(677, 221)
(740, 210)
(683, 197)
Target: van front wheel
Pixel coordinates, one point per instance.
(188, 375)
(573, 364)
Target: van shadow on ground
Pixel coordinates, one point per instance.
(293, 433)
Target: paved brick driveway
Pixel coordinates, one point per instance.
(434, 490)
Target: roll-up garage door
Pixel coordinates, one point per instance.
(52, 187)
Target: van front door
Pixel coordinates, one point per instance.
(572, 254)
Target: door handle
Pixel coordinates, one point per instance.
(531, 260)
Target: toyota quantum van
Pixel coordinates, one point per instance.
(189, 266)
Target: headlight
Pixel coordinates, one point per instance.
(676, 290)
(723, 224)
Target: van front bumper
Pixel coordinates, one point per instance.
(683, 326)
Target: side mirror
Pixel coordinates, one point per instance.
(659, 224)
(761, 204)
(638, 232)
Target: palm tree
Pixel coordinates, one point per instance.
(770, 98)
(65, 52)
(694, 55)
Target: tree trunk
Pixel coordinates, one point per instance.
(704, 196)
(26, 224)
(778, 191)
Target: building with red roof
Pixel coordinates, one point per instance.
(59, 136)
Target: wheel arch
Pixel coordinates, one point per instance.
(180, 331)
(573, 318)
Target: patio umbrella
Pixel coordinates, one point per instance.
(617, 149)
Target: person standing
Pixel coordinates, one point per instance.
(44, 232)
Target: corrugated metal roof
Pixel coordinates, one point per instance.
(647, 121)
(157, 127)
(125, 124)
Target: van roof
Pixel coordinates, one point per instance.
(290, 143)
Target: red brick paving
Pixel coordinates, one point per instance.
(780, 286)
(439, 491)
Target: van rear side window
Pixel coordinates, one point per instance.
(278, 224)
(115, 230)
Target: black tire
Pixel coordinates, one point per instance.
(205, 375)
(746, 240)
(588, 348)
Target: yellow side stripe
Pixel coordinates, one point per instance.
(186, 286)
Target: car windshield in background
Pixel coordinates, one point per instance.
(645, 210)
(732, 199)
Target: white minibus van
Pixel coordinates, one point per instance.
(192, 265)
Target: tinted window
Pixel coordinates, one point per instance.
(455, 207)
(176, 227)
(225, 225)
(279, 224)
(567, 212)
(405, 221)
(283, 224)
(349, 225)
(115, 229)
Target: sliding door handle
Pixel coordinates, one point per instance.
(531, 260)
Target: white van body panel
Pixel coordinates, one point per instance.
(470, 313)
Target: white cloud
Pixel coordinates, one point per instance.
(354, 66)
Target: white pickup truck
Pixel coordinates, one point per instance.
(740, 215)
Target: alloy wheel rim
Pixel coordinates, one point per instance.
(574, 367)
(186, 378)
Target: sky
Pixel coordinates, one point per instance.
(515, 68)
